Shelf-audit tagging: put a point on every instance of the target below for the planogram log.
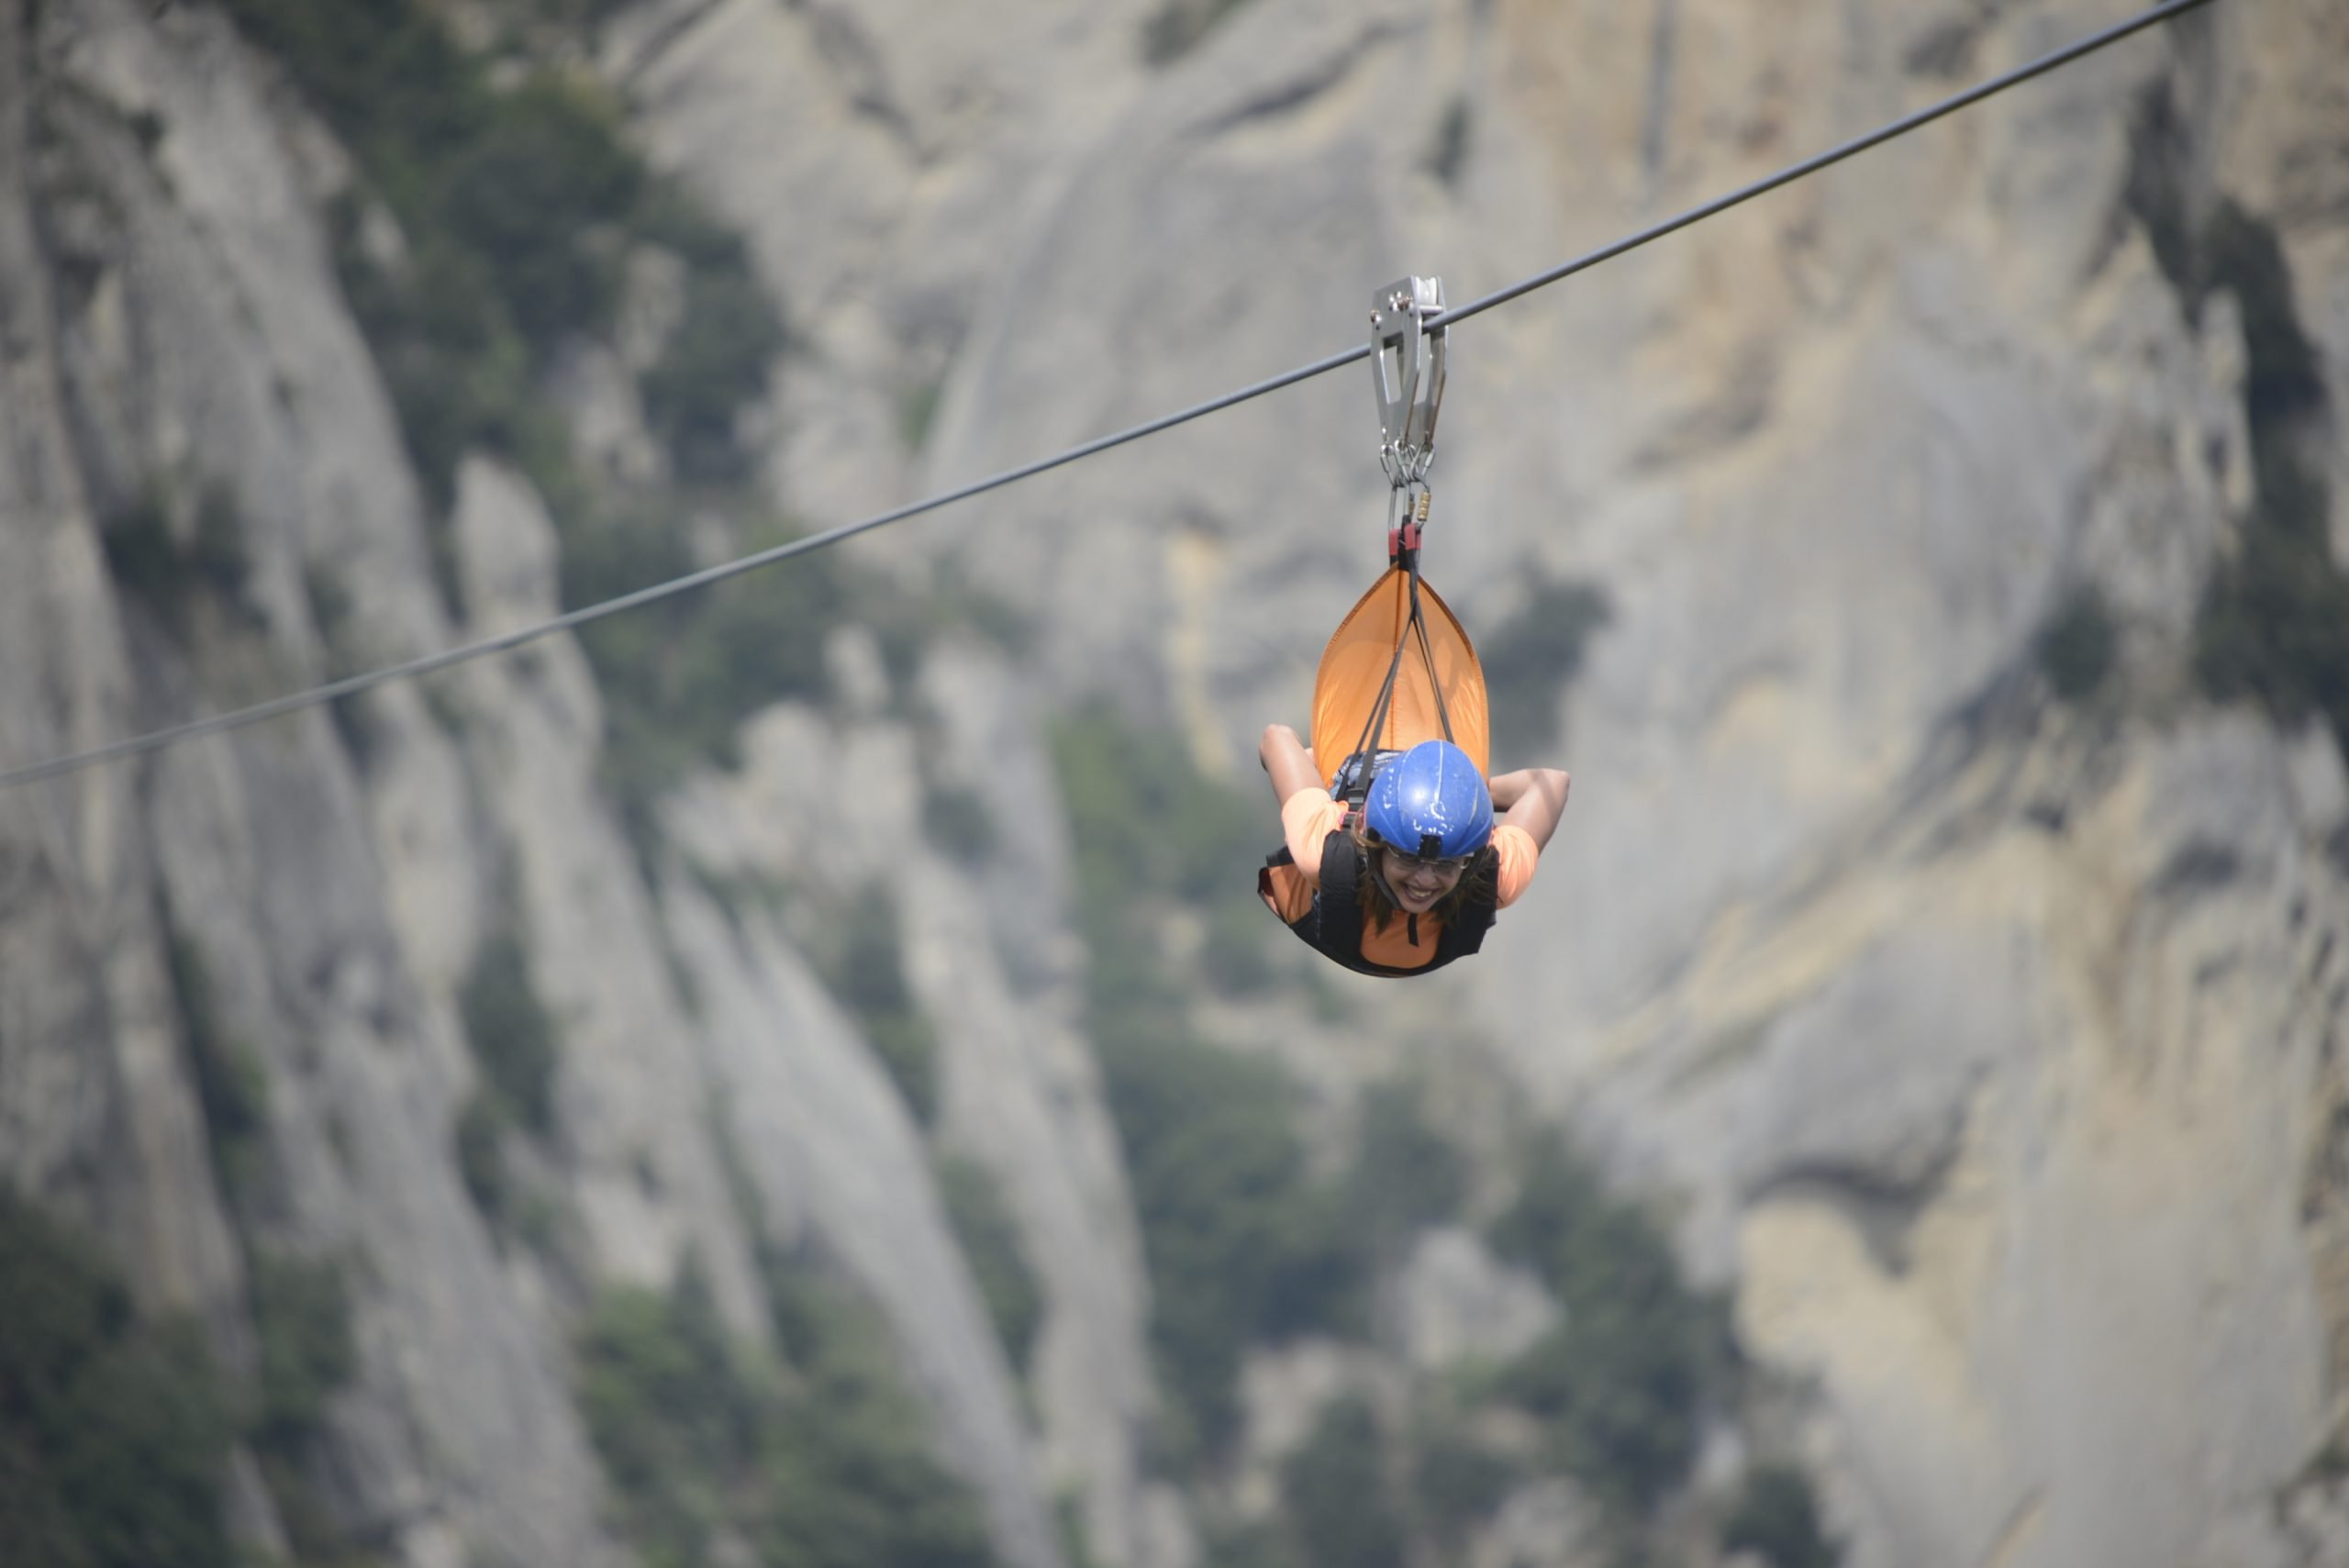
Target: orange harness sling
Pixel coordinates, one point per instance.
(1423, 667)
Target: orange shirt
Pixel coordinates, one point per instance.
(1310, 816)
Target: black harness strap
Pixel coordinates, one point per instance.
(1427, 650)
(1333, 927)
(1337, 906)
(1404, 552)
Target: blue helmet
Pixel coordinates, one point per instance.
(1430, 802)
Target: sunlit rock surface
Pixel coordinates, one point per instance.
(1988, 1045)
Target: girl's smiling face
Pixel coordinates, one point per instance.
(1420, 885)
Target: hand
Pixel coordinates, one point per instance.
(1287, 762)
(1533, 799)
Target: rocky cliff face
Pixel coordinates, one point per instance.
(180, 337)
(1977, 1006)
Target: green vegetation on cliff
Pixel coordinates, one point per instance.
(1243, 1244)
(1154, 833)
(2275, 616)
(679, 676)
(300, 1305)
(512, 1034)
(1457, 1481)
(720, 1452)
(2077, 644)
(1336, 1492)
(146, 556)
(1618, 1381)
(301, 1308)
(231, 1089)
(1776, 1519)
(989, 1237)
(114, 1433)
(517, 1043)
(518, 214)
(2275, 621)
(500, 221)
(519, 211)
(860, 952)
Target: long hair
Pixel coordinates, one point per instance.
(1483, 874)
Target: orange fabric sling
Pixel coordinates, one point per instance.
(1355, 665)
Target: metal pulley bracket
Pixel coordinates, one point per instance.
(1406, 365)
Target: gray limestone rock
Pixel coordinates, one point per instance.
(1989, 1043)
(1456, 1303)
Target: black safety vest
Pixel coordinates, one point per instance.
(1333, 926)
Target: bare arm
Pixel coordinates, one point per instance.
(1533, 800)
(1287, 762)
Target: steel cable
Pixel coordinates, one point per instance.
(351, 685)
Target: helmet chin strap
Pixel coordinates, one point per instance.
(1378, 877)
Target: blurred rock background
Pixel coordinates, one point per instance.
(798, 1074)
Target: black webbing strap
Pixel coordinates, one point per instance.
(1426, 650)
(1414, 625)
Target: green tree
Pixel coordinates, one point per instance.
(2077, 647)
(232, 1090)
(519, 207)
(114, 1433)
(540, 193)
(822, 1464)
(2275, 619)
(1337, 1494)
(1619, 1379)
(1776, 1517)
(1457, 1482)
(983, 1223)
(1405, 1175)
(512, 1033)
(862, 955)
(1242, 1243)
(713, 366)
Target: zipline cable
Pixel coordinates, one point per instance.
(349, 685)
(1812, 166)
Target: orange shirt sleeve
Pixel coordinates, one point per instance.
(1519, 855)
(1305, 826)
(1307, 818)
